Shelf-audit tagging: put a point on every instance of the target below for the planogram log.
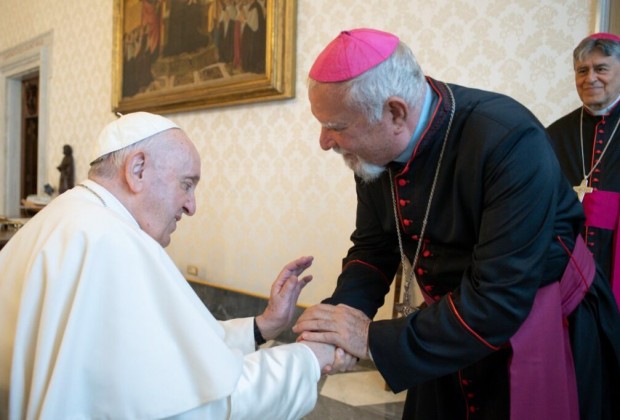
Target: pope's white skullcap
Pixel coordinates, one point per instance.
(127, 130)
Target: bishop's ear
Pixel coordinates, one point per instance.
(399, 110)
(134, 171)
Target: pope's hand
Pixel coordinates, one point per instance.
(331, 359)
(283, 298)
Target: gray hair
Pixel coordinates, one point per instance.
(607, 47)
(107, 166)
(400, 75)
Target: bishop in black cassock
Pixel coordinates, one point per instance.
(587, 144)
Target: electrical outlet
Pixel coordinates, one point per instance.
(192, 270)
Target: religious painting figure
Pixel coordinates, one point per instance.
(185, 28)
(142, 49)
(226, 32)
(253, 38)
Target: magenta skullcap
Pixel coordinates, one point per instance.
(352, 53)
(127, 130)
(605, 35)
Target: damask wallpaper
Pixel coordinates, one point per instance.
(268, 192)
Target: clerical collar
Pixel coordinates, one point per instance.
(605, 110)
(430, 100)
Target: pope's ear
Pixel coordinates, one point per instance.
(134, 171)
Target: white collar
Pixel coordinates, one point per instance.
(605, 110)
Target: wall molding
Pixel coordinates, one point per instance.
(16, 64)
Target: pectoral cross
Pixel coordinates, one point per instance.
(583, 189)
(404, 309)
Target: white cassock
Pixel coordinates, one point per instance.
(96, 321)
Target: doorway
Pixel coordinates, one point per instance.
(25, 72)
(30, 136)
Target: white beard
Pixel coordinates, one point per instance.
(365, 170)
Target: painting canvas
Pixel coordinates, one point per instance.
(177, 55)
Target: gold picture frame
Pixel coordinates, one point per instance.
(177, 55)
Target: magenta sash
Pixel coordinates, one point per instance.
(543, 384)
(542, 372)
(602, 209)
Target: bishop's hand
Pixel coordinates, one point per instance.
(341, 325)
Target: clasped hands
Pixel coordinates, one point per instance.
(341, 326)
(338, 335)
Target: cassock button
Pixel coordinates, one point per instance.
(415, 237)
(426, 253)
(406, 222)
(402, 202)
(420, 271)
(402, 182)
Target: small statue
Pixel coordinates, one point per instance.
(67, 170)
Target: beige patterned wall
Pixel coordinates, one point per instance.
(268, 192)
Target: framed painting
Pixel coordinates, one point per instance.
(181, 55)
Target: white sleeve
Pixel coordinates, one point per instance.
(276, 383)
(239, 334)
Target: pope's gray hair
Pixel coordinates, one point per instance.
(107, 166)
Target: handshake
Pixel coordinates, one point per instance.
(337, 335)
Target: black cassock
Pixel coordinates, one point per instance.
(597, 130)
(501, 221)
